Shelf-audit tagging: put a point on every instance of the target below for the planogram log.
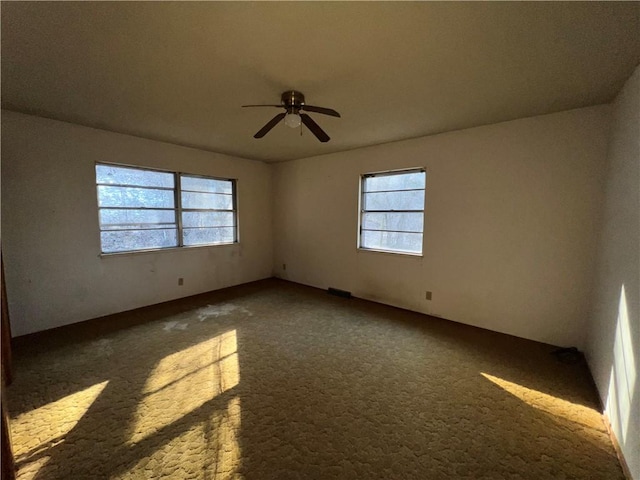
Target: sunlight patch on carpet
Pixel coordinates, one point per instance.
(36, 431)
(205, 450)
(29, 470)
(185, 381)
(226, 430)
(559, 407)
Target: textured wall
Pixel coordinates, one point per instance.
(51, 242)
(614, 335)
(510, 227)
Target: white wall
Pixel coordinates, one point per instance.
(510, 228)
(51, 243)
(613, 349)
(509, 235)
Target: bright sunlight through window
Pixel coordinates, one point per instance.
(217, 436)
(392, 211)
(622, 380)
(184, 381)
(586, 416)
(61, 415)
(143, 209)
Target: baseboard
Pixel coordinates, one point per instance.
(109, 322)
(616, 446)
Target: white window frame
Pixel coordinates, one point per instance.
(177, 208)
(363, 211)
(181, 209)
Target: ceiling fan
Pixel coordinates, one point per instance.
(293, 103)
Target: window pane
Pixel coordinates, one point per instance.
(399, 221)
(412, 200)
(137, 209)
(210, 185)
(134, 197)
(122, 241)
(393, 211)
(398, 181)
(207, 201)
(111, 219)
(133, 176)
(203, 236)
(405, 242)
(207, 219)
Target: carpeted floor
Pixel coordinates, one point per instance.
(274, 380)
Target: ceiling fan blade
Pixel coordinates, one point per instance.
(281, 106)
(324, 111)
(272, 123)
(314, 127)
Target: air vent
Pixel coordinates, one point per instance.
(339, 293)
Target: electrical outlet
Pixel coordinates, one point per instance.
(427, 295)
(180, 281)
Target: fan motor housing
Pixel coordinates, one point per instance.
(292, 99)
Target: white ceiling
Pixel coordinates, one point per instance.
(179, 71)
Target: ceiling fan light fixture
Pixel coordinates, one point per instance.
(293, 104)
(292, 120)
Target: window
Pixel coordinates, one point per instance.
(208, 210)
(143, 209)
(392, 211)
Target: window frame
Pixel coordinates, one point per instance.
(177, 208)
(181, 210)
(362, 210)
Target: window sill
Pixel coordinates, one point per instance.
(168, 249)
(390, 252)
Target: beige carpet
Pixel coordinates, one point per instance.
(274, 380)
